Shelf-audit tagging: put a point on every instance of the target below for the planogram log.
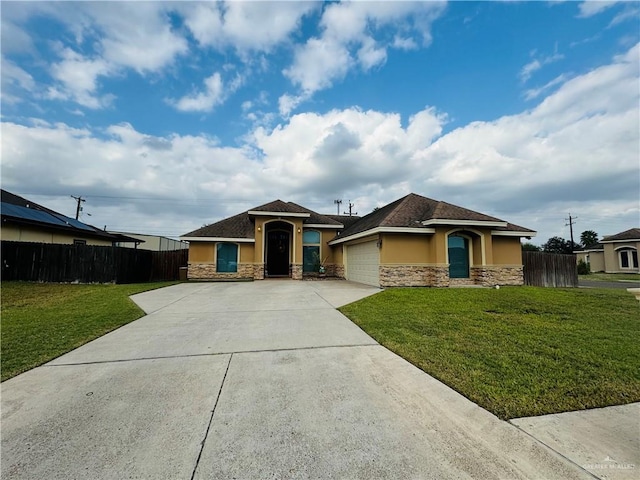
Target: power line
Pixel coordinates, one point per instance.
(571, 221)
(78, 207)
(351, 212)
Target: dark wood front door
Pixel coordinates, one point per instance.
(278, 253)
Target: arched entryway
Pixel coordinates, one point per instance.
(278, 249)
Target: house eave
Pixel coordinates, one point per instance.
(466, 223)
(621, 241)
(322, 225)
(278, 214)
(510, 233)
(218, 239)
(374, 231)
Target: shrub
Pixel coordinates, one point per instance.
(583, 268)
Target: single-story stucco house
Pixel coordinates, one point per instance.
(614, 253)
(414, 241)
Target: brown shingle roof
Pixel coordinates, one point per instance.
(512, 227)
(412, 210)
(238, 226)
(631, 234)
(242, 225)
(346, 220)
(409, 211)
(316, 218)
(280, 207)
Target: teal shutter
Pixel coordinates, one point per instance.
(226, 258)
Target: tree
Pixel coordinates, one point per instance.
(559, 245)
(530, 247)
(588, 238)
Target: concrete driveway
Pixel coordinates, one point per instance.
(252, 381)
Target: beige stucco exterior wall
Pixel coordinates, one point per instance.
(15, 233)
(246, 252)
(258, 233)
(594, 259)
(201, 252)
(325, 250)
(338, 254)
(407, 249)
(507, 251)
(611, 259)
(439, 246)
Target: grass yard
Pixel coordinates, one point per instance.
(517, 351)
(42, 321)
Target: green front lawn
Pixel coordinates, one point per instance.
(611, 277)
(41, 321)
(516, 351)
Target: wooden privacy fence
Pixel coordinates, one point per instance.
(42, 262)
(549, 269)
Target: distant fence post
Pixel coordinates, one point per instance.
(42, 262)
(542, 269)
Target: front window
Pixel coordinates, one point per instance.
(628, 258)
(311, 251)
(226, 258)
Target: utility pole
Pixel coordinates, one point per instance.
(571, 221)
(351, 213)
(338, 203)
(78, 208)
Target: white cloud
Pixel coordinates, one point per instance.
(577, 150)
(629, 13)
(369, 55)
(215, 93)
(357, 35)
(402, 43)
(536, 92)
(536, 64)
(14, 39)
(245, 26)
(79, 78)
(288, 103)
(579, 144)
(318, 63)
(133, 35)
(590, 8)
(14, 78)
(136, 35)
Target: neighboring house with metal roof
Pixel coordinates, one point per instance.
(154, 243)
(27, 221)
(414, 241)
(614, 253)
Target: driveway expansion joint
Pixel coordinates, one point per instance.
(213, 412)
(168, 304)
(289, 349)
(555, 451)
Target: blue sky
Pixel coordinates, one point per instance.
(169, 115)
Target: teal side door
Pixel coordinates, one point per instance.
(458, 257)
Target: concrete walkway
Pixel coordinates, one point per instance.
(253, 380)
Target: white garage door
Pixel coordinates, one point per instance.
(363, 260)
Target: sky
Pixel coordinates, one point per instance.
(166, 116)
